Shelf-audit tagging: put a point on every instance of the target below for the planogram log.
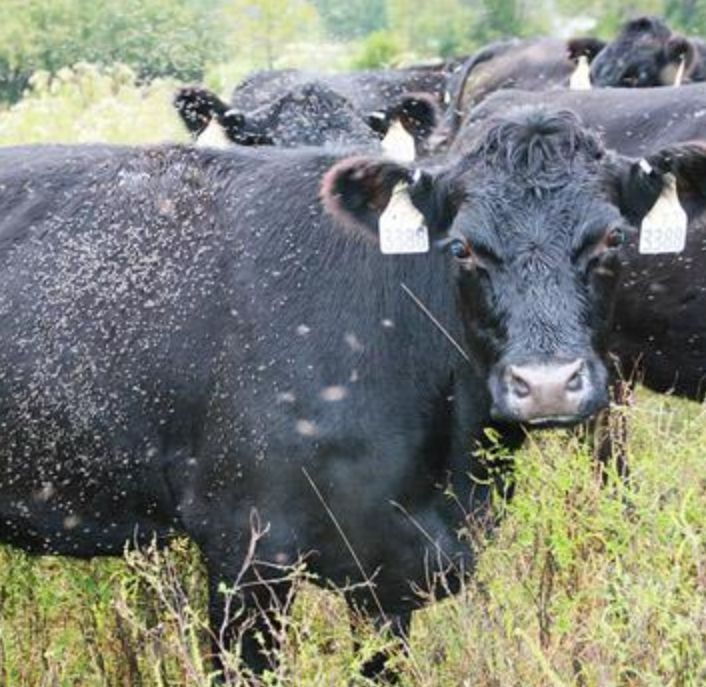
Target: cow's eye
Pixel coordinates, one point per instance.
(615, 237)
(460, 249)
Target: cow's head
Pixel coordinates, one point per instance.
(645, 53)
(533, 220)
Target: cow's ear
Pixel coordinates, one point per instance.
(196, 107)
(641, 182)
(233, 123)
(405, 126)
(663, 189)
(242, 131)
(373, 194)
(419, 114)
(680, 55)
(378, 121)
(587, 47)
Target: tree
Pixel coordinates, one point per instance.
(155, 37)
(431, 29)
(352, 18)
(499, 19)
(263, 28)
(688, 16)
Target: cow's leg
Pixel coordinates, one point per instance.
(376, 667)
(250, 588)
(247, 611)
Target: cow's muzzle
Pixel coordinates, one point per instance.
(548, 392)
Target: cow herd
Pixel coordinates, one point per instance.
(299, 331)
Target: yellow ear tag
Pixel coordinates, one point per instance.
(680, 72)
(213, 136)
(401, 226)
(663, 229)
(398, 143)
(580, 79)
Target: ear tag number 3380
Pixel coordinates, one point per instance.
(663, 230)
(401, 226)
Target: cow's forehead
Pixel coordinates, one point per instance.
(558, 216)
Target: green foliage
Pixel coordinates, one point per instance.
(498, 19)
(92, 104)
(155, 37)
(581, 584)
(262, 29)
(352, 19)
(431, 29)
(688, 16)
(378, 50)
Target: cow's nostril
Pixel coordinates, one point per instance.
(575, 383)
(519, 386)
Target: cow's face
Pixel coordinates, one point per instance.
(535, 243)
(532, 220)
(646, 53)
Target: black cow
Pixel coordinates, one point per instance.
(307, 115)
(312, 114)
(631, 121)
(532, 64)
(198, 341)
(660, 332)
(535, 64)
(647, 53)
(367, 90)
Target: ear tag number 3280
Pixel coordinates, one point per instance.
(663, 230)
(401, 226)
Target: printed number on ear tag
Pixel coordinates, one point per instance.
(401, 226)
(663, 230)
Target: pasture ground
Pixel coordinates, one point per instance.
(581, 585)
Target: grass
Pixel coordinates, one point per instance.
(89, 104)
(580, 585)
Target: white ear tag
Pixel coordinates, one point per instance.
(398, 143)
(663, 230)
(680, 72)
(401, 226)
(213, 136)
(580, 79)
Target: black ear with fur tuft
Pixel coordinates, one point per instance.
(687, 162)
(417, 112)
(232, 123)
(197, 106)
(680, 49)
(419, 115)
(378, 121)
(587, 47)
(357, 191)
(241, 131)
(638, 184)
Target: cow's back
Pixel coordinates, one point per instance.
(367, 90)
(632, 121)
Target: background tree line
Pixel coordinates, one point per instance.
(182, 38)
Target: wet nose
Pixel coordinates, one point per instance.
(546, 392)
